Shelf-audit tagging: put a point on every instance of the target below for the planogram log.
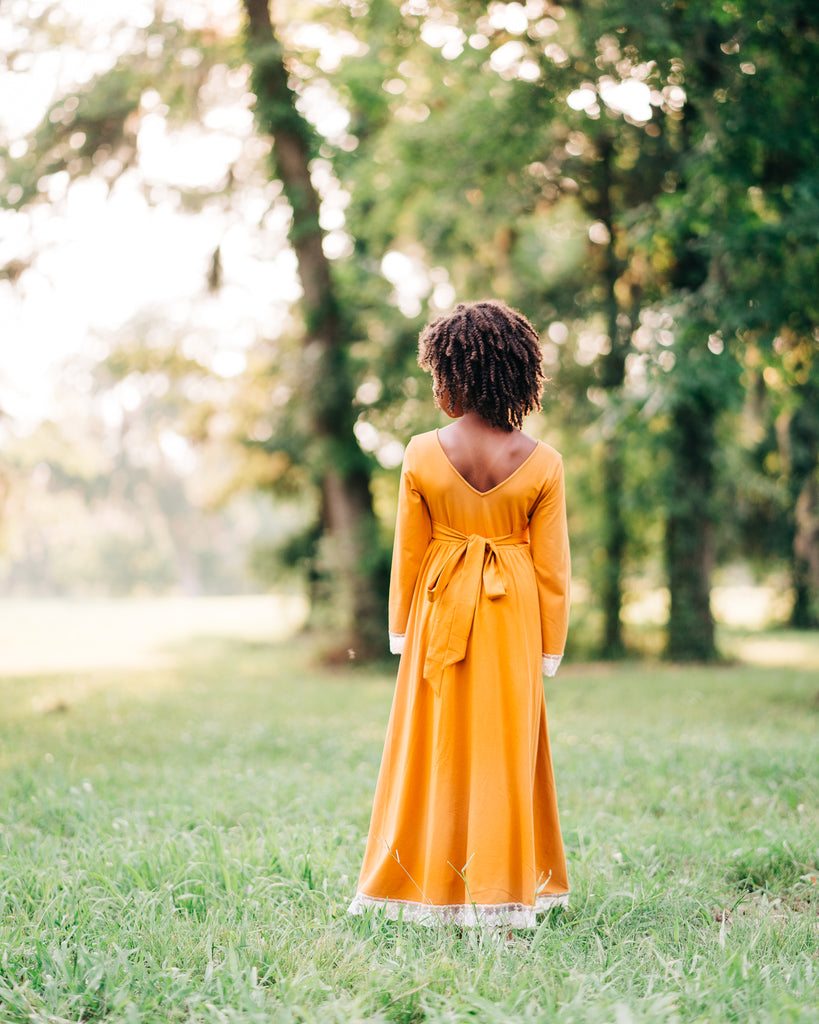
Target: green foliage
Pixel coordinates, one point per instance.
(674, 253)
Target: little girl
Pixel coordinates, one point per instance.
(464, 826)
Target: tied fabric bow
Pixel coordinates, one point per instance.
(473, 563)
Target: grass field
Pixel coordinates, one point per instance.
(180, 836)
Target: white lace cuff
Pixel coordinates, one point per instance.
(550, 664)
(397, 642)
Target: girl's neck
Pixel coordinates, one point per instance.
(473, 423)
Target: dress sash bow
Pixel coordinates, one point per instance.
(472, 564)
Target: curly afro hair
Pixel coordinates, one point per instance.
(487, 357)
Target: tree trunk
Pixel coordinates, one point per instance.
(343, 472)
(614, 538)
(799, 447)
(612, 378)
(689, 545)
(805, 558)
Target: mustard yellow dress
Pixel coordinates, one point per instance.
(464, 825)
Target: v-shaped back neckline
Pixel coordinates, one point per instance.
(491, 490)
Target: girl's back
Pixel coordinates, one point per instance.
(484, 456)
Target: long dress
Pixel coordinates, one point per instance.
(464, 825)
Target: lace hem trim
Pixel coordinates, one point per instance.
(469, 915)
(551, 663)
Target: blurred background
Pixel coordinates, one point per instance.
(223, 224)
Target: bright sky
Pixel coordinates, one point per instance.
(102, 258)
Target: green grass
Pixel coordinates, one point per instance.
(180, 844)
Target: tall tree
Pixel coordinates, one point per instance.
(328, 387)
(739, 255)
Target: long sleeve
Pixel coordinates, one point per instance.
(549, 545)
(413, 531)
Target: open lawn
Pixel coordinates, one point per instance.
(180, 834)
